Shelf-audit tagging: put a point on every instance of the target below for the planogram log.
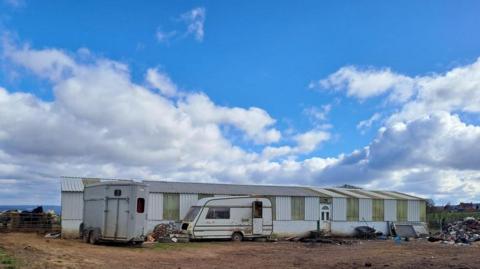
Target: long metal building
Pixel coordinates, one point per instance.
(296, 209)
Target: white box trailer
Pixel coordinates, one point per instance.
(114, 211)
(233, 217)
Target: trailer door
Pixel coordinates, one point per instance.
(116, 218)
(257, 220)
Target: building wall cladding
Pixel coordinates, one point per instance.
(287, 208)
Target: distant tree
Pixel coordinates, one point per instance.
(430, 206)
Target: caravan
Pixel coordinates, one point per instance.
(233, 217)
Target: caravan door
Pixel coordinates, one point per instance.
(257, 220)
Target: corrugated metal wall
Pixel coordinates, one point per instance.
(284, 208)
(339, 209)
(155, 206)
(312, 208)
(413, 210)
(72, 205)
(365, 209)
(186, 201)
(390, 210)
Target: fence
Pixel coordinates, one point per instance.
(436, 219)
(28, 222)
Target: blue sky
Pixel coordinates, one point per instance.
(277, 56)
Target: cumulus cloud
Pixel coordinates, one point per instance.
(102, 123)
(366, 124)
(366, 83)
(424, 146)
(161, 81)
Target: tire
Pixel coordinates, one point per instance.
(237, 237)
(86, 236)
(93, 237)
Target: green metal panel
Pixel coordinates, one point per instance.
(298, 208)
(378, 209)
(402, 210)
(423, 211)
(171, 206)
(352, 209)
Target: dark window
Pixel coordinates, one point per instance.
(140, 205)
(117, 192)
(218, 213)
(257, 209)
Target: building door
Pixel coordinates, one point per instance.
(257, 220)
(325, 217)
(116, 218)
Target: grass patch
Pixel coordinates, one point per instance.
(179, 246)
(7, 261)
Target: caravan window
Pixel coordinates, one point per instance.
(192, 213)
(218, 213)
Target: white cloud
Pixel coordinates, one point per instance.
(161, 81)
(165, 37)
(318, 114)
(195, 20)
(366, 124)
(366, 83)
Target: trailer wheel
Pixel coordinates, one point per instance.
(93, 237)
(237, 237)
(86, 236)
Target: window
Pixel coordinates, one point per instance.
(171, 206)
(377, 210)
(402, 210)
(298, 208)
(117, 192)
(218, 213)
(192, 213)
(140, 205)
(257, 209)
(204, 195)
(352, 209)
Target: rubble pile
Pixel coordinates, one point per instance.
(459, 232)
(163, 231)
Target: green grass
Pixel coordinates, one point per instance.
(6, 261)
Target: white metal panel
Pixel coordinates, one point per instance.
(284, 208)
(72, 205)
(312, 208)
(413, 210)
(186, 201)
(294, 227)
(365, 209)
(390, 210)
(155, 206)
(339, 209)
(70, 228)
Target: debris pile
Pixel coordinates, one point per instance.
(459, 232)
(35, 220)
(164, 232)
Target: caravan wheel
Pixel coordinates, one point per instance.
(237, 237)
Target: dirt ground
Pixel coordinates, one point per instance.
(34, 251)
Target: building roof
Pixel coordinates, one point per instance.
(228, 189)
(72, 184)
(76, 184)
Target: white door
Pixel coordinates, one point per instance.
(325, 217)
(116, 220)
(257, 220)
